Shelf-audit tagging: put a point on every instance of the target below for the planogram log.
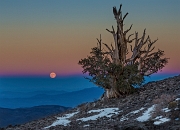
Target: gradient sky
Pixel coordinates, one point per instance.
(41, 36)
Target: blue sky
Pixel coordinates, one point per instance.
(41, 36)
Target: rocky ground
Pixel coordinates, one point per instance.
(155, 106)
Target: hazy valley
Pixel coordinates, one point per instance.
(18, 107)
(68, 99)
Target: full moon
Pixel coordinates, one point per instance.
(52, 75)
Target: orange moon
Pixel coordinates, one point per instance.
(52, 75)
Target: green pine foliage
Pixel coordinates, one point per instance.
(107, 74)
(112, 69)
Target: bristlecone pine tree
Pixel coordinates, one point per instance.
(113, 70)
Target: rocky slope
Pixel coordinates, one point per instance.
(155, 105)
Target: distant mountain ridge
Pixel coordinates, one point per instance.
(68, 99)
(41, 104)
(11, 94)
(154, 106)
(23, 115)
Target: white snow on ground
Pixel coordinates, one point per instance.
(177, 119)
(86, 125)
(124, 118)
(137, 111)
(158, 117)
(62, 120)
(166, 110)
(177, 99)
(146, 115)
(161, 120)
(107, 112)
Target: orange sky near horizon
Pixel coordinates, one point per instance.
(55, 38)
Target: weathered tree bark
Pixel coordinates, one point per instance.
(118, 53)
(139, 55)
(142, 59)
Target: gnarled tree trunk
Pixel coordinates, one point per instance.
(112, 70)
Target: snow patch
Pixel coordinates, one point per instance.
(177, 99)
(161, 120)
(177, 119)
(137, 111)
(158, 117)
(146, 115)
(176, 108)
(62, 120)
(125, 118)
(86, 125)
(108, 112)
(166, 110)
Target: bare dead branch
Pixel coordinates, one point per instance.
(107, 47)
(131, 48)
(128, 40)
(130, 36)
(151, 49)
(120, 7)
(113, 32)
(112, 47)
(125, 16)
(113, 29)
(109, 31)
(136, 39)
(99, 42)
(128, 29)
(115, 11)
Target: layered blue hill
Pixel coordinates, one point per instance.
(68, 99)
(23, 115)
